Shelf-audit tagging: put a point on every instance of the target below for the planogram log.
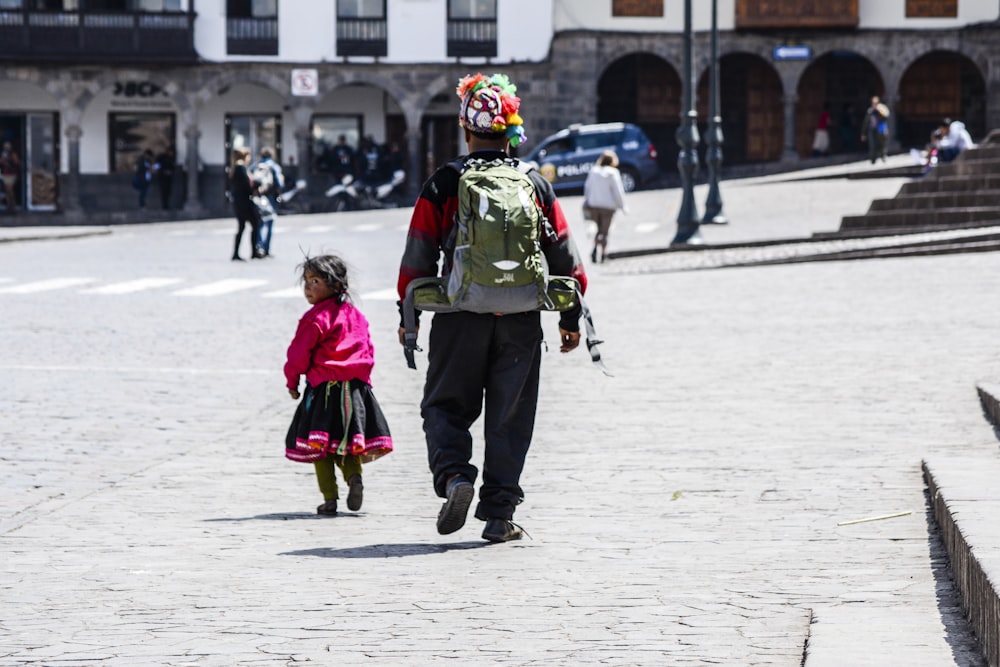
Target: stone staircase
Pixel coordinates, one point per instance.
(960, 194)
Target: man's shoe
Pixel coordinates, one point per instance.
(502, 530)
(329, 508)
(459, 493)
(355, 493)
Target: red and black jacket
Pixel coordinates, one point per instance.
(434, 217)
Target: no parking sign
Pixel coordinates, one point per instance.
(305, 82)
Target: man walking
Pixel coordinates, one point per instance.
(473, 355)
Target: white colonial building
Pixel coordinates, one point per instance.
(87, 85)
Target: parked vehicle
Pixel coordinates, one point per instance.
(566, 157)
(355, 195)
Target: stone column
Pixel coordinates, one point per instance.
(70, 190)
(416, 159)
(892, 101)
(192, 203)
(790, 154)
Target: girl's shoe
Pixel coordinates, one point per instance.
(355, 493)
(329, 508)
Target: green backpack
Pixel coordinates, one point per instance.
(496, 250)
(497, 264)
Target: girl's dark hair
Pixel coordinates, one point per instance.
(332, 270)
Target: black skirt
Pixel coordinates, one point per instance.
(338, 419)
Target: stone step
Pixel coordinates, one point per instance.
(921, 218)
(929, 200)
(982, 152)
(938, 183)
(962, 167)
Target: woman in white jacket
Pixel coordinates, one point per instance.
(603, 194)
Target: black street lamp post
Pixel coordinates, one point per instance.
(713, 156)
(687, 139)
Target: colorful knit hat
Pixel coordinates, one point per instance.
(489, 106)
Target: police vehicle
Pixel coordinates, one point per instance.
(565, 157)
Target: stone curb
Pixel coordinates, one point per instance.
(967, 519)
(989, 396)
(965, 500)
(52, 234)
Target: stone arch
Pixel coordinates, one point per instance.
(940, 84)
(844, 81)
(645, 89)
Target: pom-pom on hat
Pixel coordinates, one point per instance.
(489, 106)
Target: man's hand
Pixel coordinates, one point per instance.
(402, 334)
(570, 340)
(294, 393)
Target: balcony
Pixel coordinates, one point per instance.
(472, 38)
(166, 37)
(252, 36)
(361, 37)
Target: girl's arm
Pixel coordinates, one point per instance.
(300, 353)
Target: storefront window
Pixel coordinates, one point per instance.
(255, 133)
(132, 133)
(325, 134)
(252, 9)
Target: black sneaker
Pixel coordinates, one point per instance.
(355, 493)
(502, 530)
(459, 494)
(329, 508)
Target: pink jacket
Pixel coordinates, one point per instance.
(332, 343)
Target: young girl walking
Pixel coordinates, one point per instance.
(338, 423)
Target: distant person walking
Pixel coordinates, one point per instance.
(166, 167)
(270, 180)
(604, 195)
(338, 424)
(821, 137)
(10, 171)
(242, 190)
(143, 175)
(876, 129)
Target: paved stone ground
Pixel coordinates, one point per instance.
(684, 512)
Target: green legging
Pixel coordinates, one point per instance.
(326, 473)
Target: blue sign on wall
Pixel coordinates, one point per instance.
(792, 52)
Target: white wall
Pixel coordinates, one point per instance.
(872, 14)
(590, 15)
(881, 14)
(417, 32)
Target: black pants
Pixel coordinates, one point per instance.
(472, 355)
(244, 215)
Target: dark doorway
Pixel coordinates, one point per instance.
(846, 81)
(750, 106)
(937, 86)
(643, 89)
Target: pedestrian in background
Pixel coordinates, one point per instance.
(475, 356)
(953, 140)
(604, 195)
(338, 423)
(876, 131)
(821, 137)
(270, 180)
(165, 167)
(10, 171)
(143, 175)
(242, 190)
